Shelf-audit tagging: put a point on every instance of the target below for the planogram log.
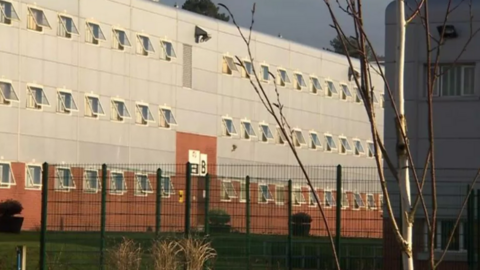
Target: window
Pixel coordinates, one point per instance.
(299, 81)
(298, 138)
(358, 95)
(280, 195)
(143, 114)
(166, 117)
(358, 201)
(298, 197)
(371, 202)
(444, 229)
(66, 102)
(119, 110)
(280, 137)
(228, 127)
(94, 33)
(311, 198)
(37, 20)
(331, 145)
(229, 65)
(316, 86)
(315, 141)
(248, 71)
(228, 191)
(265, 70)
(243, 192)
(91, 183)
(371, 149)
(168, 50)
(247, 130)
(455, 80)
(120, 39)
(329, 199)
(345, 146)
(7, 178)
(358, 147)
(93, 106)
(143, 186)
(264, 194)
(331, 90)
(144, 45)
(380, 202)
(64, 179)
(266, 133)
(283, 77)
(345, 92)
(117, 183)
(345, 203)
(167, 187)
(7, 93)
(66, 27)
(34, 176)
(382, 100)
(7, 13)
(36, 98)
(374, 97)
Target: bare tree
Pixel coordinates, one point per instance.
(418, 13)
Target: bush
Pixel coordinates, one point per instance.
(127, 255)
(218, 217)
(10, 208)
(301, 218)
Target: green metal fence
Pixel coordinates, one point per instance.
(249, 214)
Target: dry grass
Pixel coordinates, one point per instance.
(165, 254)
(196, 252)
(127, 255)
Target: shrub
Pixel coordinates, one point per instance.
(165, 254)
(196, 252)
(10, 208)
(127, 255)
(218, 217)
(301, 217)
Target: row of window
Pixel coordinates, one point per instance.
(66, 104)
(37, 21)
(65, 182)
(313, 85)
(228, 192)
(314, 142)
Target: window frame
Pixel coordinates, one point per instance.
(8, 101)
(264, 138)
(225, 131)
(60, 187)
(228, 67)
(312, 141)
(296, 140)
(299, 86)
(116, 40)
(9, 20)
(374, 207)
(345, 94)
(343, 149)
(345, 193)
(261, 195)
(438, 89)
(298, 201)
(39, 28)
(245, 131)
(370, 150)
(171, 190)
(66, 110)
(141, 45)
(330, 91)
(462, 246)
(282, 187)
(358, 95)
(61, 24)
(262, 73)
(311, 200)
(283, 82)
(333, 203)
(11, 181)
(117, 113)
(224, 190)
(355, 140)
(280, 136)
(138, 190)
(163, 119)
(242, 191)
(356, 204)
(30, 178)
(89, 106)
(173, 54)
(94, 40)
(312, 85)
(145, 121)
(31, 97)
(89, 189)
(380, 202)
(245, 72)
(328, 148)
(112, 191)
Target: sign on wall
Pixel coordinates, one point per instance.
(198, 161)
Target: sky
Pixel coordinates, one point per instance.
(305, 21)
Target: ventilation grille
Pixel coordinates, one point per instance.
(187, 66)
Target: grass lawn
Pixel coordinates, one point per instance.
(81, 250)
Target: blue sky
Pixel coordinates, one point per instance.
(305, 21)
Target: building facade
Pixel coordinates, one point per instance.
(146, 83)
(455, 101)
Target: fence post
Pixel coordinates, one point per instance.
(470, 224)
(158, 204)
(338, 222)
(188, 199)
(247, 217)
(207, 204)
(43, 228)
(103, 216)
(290, 232)
(478, 230)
